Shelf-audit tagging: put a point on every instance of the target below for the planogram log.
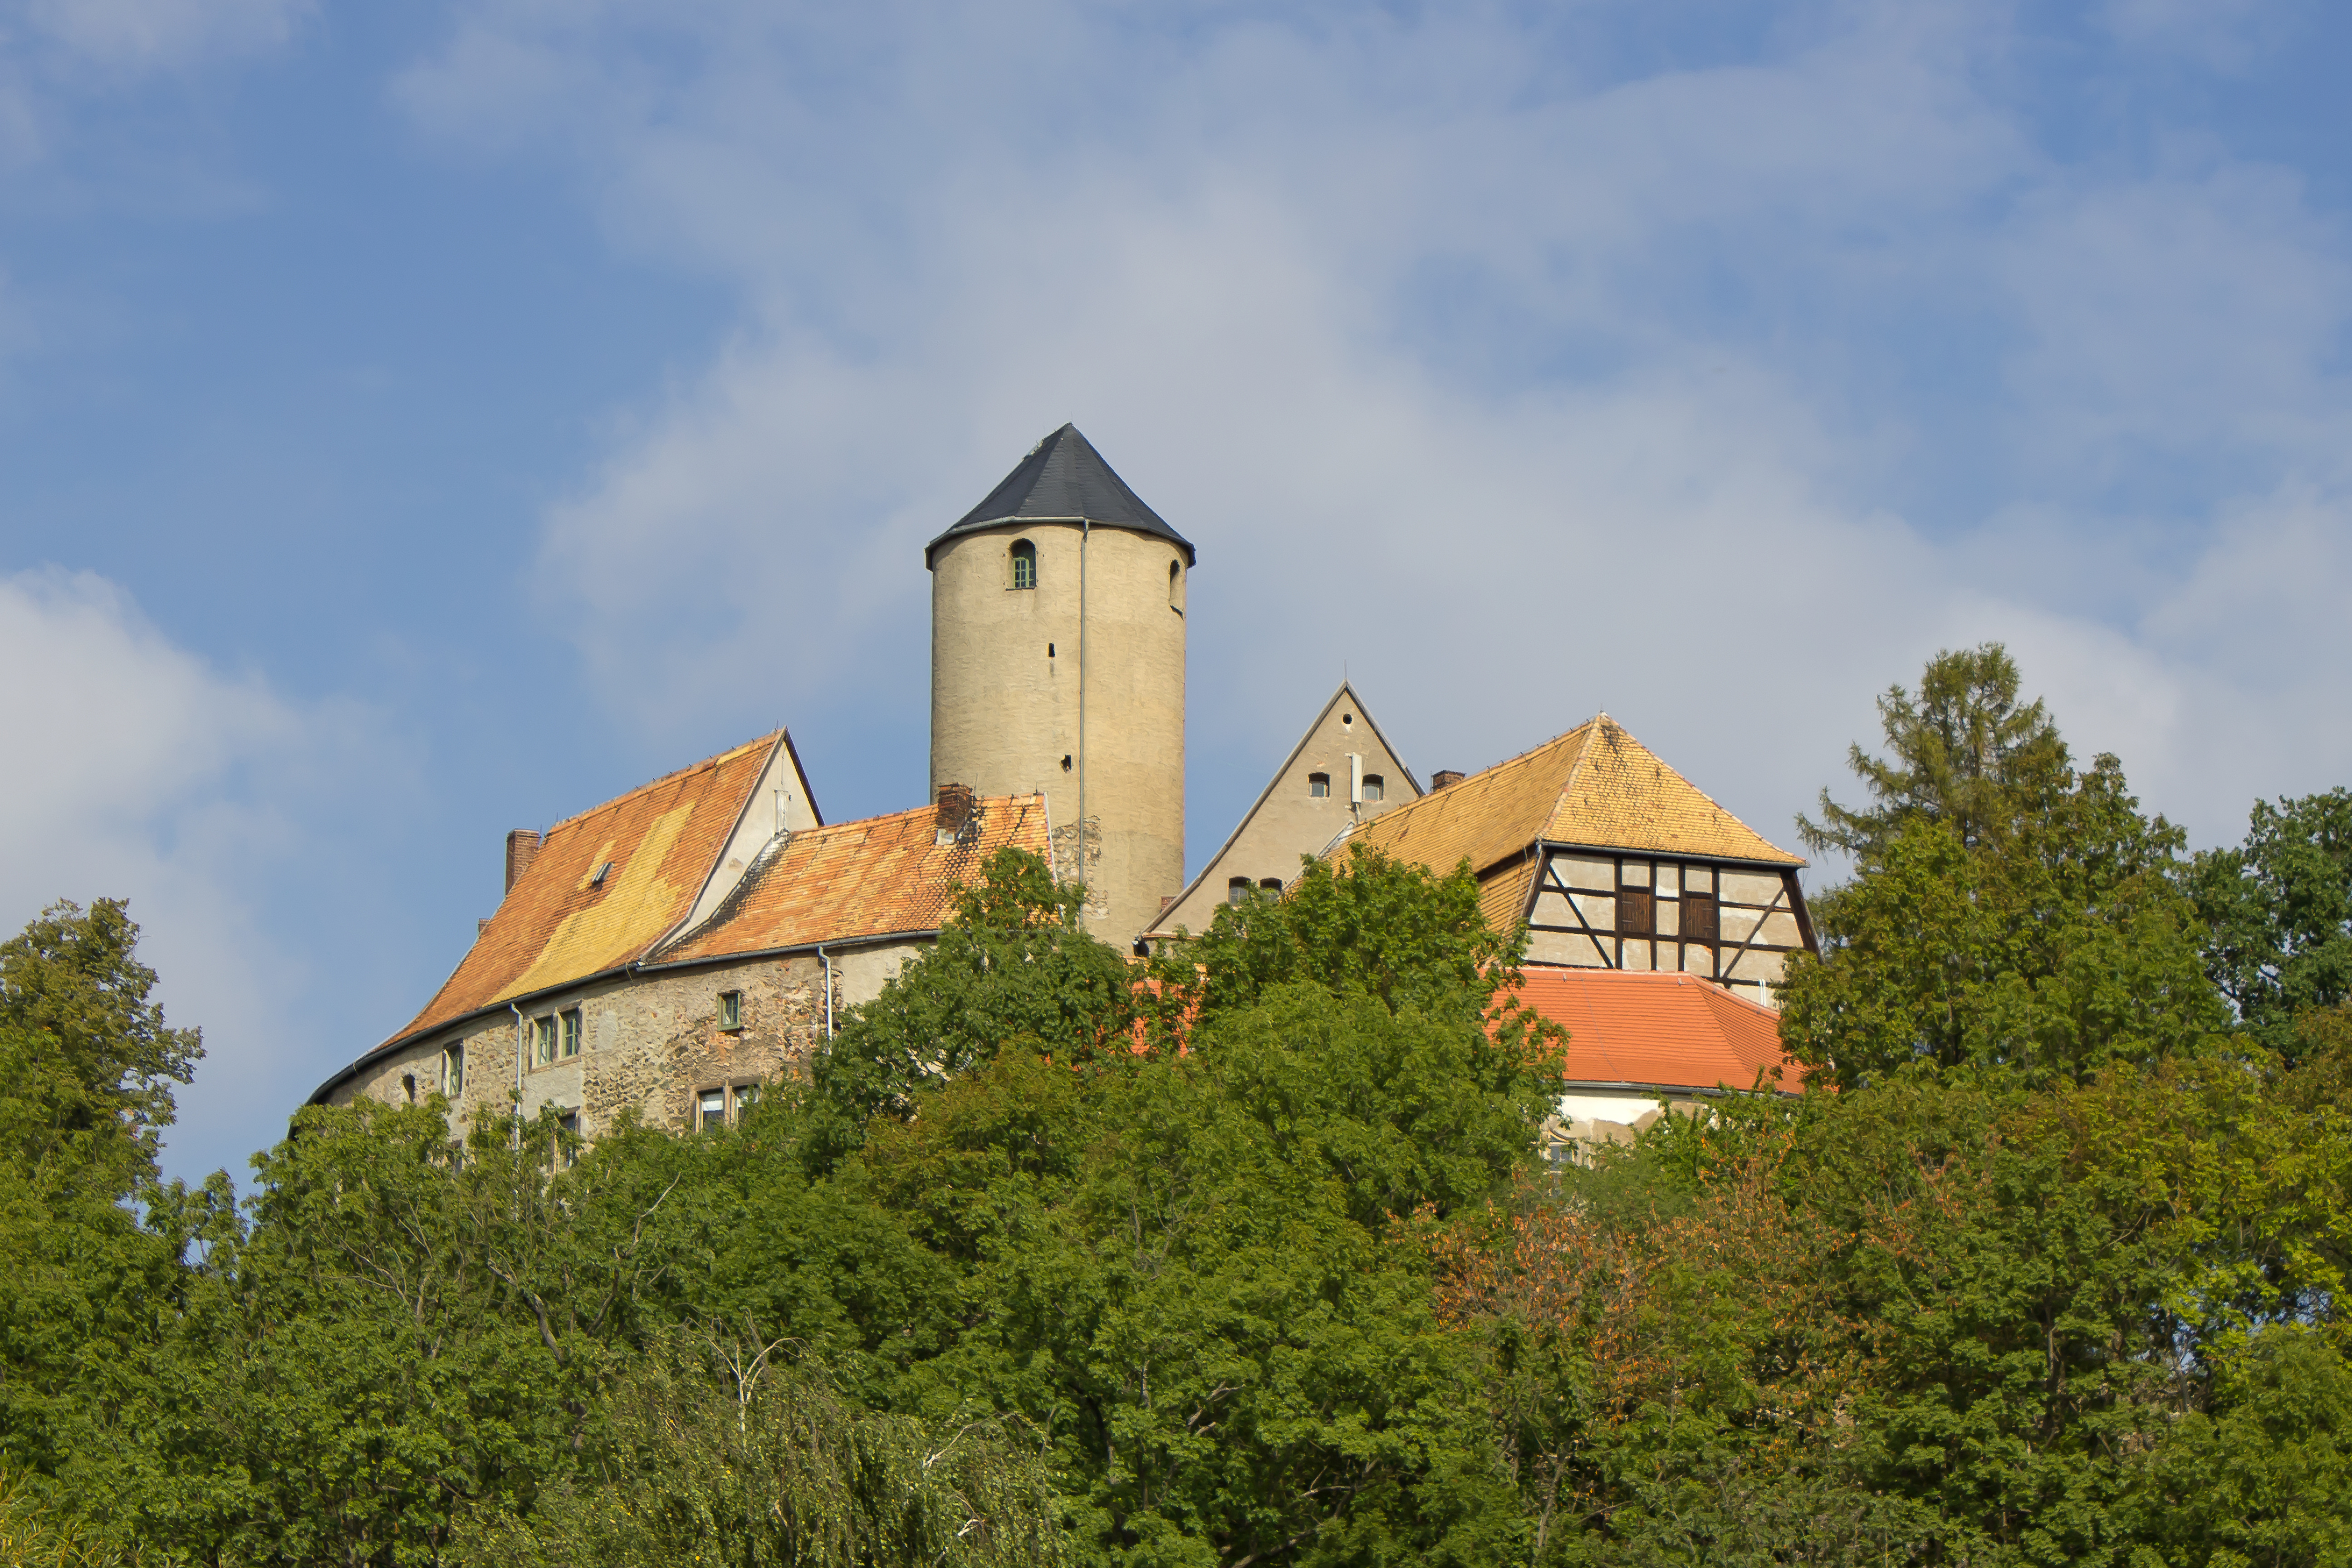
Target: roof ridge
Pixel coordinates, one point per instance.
(1735, 817)
(867, 822)
(671, 777)
(1531, 751)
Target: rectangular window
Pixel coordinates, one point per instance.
(1319, 785)
(453, 1070)
(542, 1038)
(567, 1144)
(1374, 787)
(1634, 912)
(1699, 918)
(1237, 892)
(710, 1107)
(746, 1095)
(731, 1009)
(572, 1033)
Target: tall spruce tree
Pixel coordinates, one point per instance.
(2008, 911)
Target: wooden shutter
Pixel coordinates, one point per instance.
(1699, 918)
(1634, 909)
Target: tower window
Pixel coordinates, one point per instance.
(1024, 564)
(1176, 586)
(453, 1068)
(1319, 785)
(1374, 787)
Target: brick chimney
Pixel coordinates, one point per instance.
(954, 810)
(1442, 777)
(522, 849)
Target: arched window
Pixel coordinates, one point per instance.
(1319, 785)
(1237, 892)
(1024, 564)
(1270, 886)
(1375, 788)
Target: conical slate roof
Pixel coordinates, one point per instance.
(1064, 479)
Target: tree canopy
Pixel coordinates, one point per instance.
(2278, 909)
(2006, 912)
(1244, 1256)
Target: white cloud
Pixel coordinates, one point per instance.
(1522, 389)
(139, 772)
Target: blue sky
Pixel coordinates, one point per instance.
(418, 422)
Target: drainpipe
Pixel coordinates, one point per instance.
(827, 962)
(1086, 532)
(519, 1049)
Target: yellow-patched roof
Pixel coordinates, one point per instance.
(1595, 785)
(560, 922)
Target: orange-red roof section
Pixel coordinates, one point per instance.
(885, 874)
(559, 922)
(1670, 1031)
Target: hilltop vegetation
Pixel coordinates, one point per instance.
(1255, 1264)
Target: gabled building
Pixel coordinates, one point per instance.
(1341, 773)
(1613, 859)
(670, 950)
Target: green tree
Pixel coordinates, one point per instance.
(1012, 963)
(72, 980)
(723, 1451)
(2278, 913)
(2028, 919)
(1964, 752)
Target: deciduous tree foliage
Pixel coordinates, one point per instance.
(2279, 912)
(1243, 1258)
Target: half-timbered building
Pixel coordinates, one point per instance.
(1613, 860)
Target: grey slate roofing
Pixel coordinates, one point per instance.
(1064, 479)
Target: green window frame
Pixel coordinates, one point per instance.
(1024, 564)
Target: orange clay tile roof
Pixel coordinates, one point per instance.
(885, 874)
(1673, 1031)
(555, 924)
(1594, 785)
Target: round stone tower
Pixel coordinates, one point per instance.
(1058, 666)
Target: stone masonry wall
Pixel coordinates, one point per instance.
(650, 1043)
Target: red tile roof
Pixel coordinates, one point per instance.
(873, 878)
(1671, 1031)
(559, 922)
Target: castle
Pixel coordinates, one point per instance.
(669, 951)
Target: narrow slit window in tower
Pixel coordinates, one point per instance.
(1024, 564)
